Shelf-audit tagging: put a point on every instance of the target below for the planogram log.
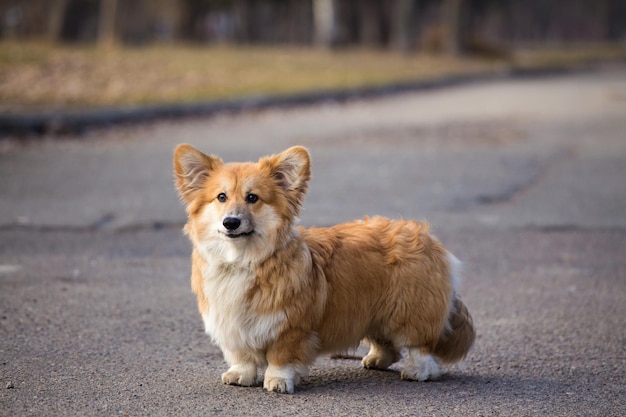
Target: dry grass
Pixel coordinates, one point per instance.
(35, 75)
(574, 55)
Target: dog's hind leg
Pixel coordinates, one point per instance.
(381, 354)
(421, 366)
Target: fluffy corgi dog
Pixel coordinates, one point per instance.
(275, 295)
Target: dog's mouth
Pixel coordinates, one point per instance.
(233, 235)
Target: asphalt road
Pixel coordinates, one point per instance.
(524, 180)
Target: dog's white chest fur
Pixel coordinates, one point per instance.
(231, 321)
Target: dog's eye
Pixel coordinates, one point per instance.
(221, 197)
(252, 198)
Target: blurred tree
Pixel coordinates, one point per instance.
(453, 43)
(374, 24)
(106, 23)
(56, 18)
(616, 20)
(403, 25)
(325, 23)
(80, 23)
(455, 26)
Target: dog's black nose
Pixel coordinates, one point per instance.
(231, 223)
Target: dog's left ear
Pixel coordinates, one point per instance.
(292, 170)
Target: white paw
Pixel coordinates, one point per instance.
(284, 385)
(245, 376)
(283, 378)
(420, 367)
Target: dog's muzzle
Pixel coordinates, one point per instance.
(234, 227)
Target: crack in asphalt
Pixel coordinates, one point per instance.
(515, 190)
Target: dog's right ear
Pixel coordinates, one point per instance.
(191, 169)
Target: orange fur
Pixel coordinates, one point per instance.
(277, 295)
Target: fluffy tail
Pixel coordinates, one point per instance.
(458, 337)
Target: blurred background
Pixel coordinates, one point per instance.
(450, 25)
(147, 51)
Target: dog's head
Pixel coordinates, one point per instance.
(240, 211)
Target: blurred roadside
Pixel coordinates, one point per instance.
(70, 64)
(48, 89)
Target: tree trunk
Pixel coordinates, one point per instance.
(453, 42)
(56, 17)
(106, 23)
(370, 30)
(325, 22)
(403, 25)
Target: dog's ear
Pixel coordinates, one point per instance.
(191, 169)
(292, 170)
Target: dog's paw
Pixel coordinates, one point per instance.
(421, 368)
(375, 362)
(283, 378)
(240, 375)
(282, 385)
(413, 373)
(372, 361)
(380, 356)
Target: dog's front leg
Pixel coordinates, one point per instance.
(288, 359)
(283, 378)
(242, 371)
